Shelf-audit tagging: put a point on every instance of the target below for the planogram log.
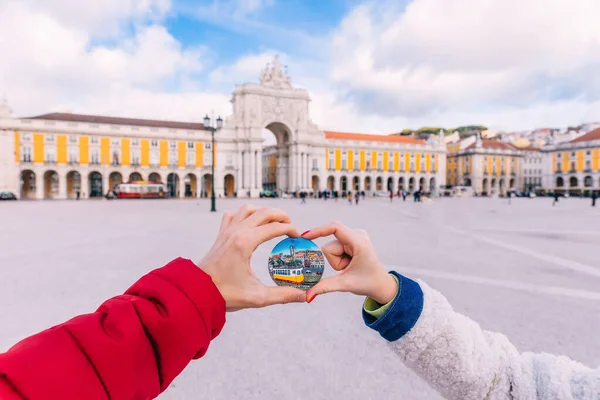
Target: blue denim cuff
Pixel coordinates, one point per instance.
(404, 312)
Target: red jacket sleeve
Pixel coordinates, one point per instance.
(132, 347)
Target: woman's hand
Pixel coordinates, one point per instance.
(353, 254)
(228, 261)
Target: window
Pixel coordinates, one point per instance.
(390, 165)
(573, 166)
(94, 157)
(412, 166)
(356, 165)
(135, 157)
(190, 145)
(572, 154)
(73, 156)
(330, 163)
(208, 156)
(379, 165)
(315, 163)
(115, 142)
(172, 157)
(229, 161)
(72, 138)
(154, 143)
(344, 164)
(588, 164)
(94, 139)
(191, 158)
(50, 155)
(50, 138)
(26, 154)
(587, 153)
(115, 158)
(558, 168)
(207, 146)
(135, 142)
(154, 158)
(26, 136)
(172, 144)
(559, 155)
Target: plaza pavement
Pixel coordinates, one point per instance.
(529, 270)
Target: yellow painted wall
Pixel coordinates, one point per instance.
(579, 165)
(61, 149)
(498, 165)
(125, 152)
(181, 154)
(326, 159)
(17, 148)
(489, 166)
(596, 159)
(338, 159)
(565, 166)
(214, 150)
(145, 153)
(199, 155)
(406, 163)
(84, 150)
(163, 153)
(396, 162)
(105, 151)
(428, 162)
(437, 163)
(350, 160)
(38, 148)
(386, 160)
(418, 162)
(363, 161)
(373, 160)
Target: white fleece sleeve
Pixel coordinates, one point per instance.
(462, 361)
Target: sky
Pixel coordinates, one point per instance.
(369, 66)
(300, 243)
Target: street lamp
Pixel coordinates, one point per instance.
(209, 127)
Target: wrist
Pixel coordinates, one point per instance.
(385, 290)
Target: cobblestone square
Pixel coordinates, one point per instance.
(529, 270)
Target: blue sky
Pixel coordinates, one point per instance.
(300, 243)
(371, 66)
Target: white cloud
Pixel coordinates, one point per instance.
(441, 60)
(52, 66)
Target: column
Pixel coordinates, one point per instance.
(85, 186)
(259, 169)
(105, 183)
(181, 188)
(62, 186)
(394, 184)
(308, 169)
(39, 184)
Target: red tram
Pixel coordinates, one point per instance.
(141, 190)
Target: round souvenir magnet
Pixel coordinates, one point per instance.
(296, 262)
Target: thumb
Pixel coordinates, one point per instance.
(282, 295)
(326, 285)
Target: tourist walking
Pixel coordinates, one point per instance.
(391, 196)
(594, 197)
(350, 198)
(555, 198)
(404, 195)
(357, 197)
(302, 197)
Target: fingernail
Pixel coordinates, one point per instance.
(311, 298)
(305, 234)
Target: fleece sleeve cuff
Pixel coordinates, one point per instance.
(401, 314)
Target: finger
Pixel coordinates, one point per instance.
(337, 229)
(281, 295)
(245, 211)
(326, 285)
(335, 254)
(267, 215)
(226, 221)
(270, 231)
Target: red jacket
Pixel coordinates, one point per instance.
(132, 347)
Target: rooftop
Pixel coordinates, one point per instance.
(372, 138)
(493, 144)
(591, 135)
(97, 119)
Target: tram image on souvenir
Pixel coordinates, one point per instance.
(296, 262)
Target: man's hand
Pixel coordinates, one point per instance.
(228, 260)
